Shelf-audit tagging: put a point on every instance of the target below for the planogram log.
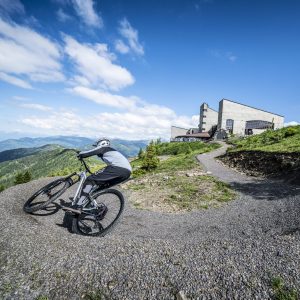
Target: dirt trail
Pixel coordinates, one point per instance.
(228, 253)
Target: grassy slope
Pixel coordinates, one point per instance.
(282, 140)
(181, 155)
(167, 188)
(58, 161)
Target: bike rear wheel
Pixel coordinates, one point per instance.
(100, 221)
(46, 195)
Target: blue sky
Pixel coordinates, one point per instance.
(131, 69)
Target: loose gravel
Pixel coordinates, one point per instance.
(231, 252)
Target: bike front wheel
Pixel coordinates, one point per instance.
(100, 220)
(46, 195)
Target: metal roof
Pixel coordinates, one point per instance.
(199, 135)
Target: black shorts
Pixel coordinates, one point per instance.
(110, 175)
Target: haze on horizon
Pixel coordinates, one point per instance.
(131, 70)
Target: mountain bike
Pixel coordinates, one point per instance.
(101, 209)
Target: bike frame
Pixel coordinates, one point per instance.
(82, 175)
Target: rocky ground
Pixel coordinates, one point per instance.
(233, 252)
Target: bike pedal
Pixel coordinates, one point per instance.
(73, 210)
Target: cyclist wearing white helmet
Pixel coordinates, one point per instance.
(118, 168)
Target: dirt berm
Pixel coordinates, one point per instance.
(268, 164)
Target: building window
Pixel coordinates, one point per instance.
(203, 122)
(259, 124)
(203, 128)
(204, 109)
(204, 116)
(229, 125)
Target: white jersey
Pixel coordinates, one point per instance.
(110, 156)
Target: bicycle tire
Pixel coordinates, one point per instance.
(30, 206)
(78, 219)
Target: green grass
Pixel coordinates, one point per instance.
(174, 191)
(176, 148)
(184, 161)
(282, 140)
(179, 159)
(168, 185)
(198, 192)
(281, 292)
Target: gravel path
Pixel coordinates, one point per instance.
(228, 253)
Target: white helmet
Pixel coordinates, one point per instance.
(103, 142)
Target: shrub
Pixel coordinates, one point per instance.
(141, 154)
(18, 178)
(138, 172)
(281, 291)
(26, 177)
(22, 177)
(150, 160)
(290, 131)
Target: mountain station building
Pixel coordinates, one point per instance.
(232, 118)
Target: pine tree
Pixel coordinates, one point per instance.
(141, 153)
(150, 160)
(26, 177)
(18, 178)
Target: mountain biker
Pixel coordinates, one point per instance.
(118, 168)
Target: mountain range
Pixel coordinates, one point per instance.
(128, 148)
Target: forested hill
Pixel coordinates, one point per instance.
(128, 148)
(27, 142)
(23, 152)
(42, 162)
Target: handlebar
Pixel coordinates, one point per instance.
(81, 160)
(85, 165)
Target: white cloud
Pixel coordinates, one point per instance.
(132, 39)
(129, 125)
(12, 7)
(121, 47)
(36, 106)
(104, 98)
(195, 120)
(137, 120)
(60, 122)
(85, 10)
(20, 98)
(62, 16)
(223, 55)
(26, 52)
(231, 57)
(95, 66)
(62, 2)
(292, 123)
(15, 81)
